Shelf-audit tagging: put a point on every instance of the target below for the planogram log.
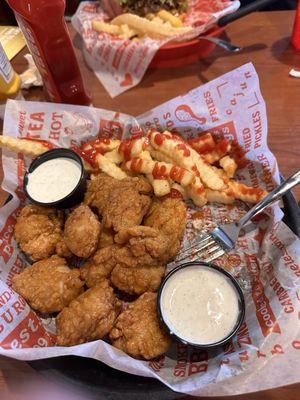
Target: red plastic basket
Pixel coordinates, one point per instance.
(184, 53)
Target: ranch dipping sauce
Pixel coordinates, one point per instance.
(53, 179)
(200, 305)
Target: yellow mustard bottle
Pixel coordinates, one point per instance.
(10, 81)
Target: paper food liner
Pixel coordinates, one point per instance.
(121, 64)
(265, 352)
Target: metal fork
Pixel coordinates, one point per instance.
(222, 239)
(222, 43)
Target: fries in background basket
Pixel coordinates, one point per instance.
(168, 17)
(162, 25)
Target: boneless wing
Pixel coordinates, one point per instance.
(38, 230)
(98, 191)
(99, 266)
(143, 246)
(82, 230)
(88, 317)
(137, 280)
(48, 285)
(127, 204)
(137, 330)
(168, 215)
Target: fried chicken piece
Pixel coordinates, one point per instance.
(98, 191)
(81, 233)
(106, 238)
(137, 330)
(168, 215)
(62, 249)
(127, 203)
(144, 246)
(137, 280)
(99, 266)
(89, 317)
(48, 285)
(38, 230)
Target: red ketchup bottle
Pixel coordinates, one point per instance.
(295, 40)
(43, 25)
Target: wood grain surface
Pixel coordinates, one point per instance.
(265, 41)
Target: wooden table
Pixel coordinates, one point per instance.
(265, 39)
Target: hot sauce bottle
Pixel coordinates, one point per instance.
(43, 25)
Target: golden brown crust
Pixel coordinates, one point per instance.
(48, 285)
(106, 238)
(99, 266)
(168, 215)
(127, 204)
(38, 230)
(145, 246)
(98, 191)
(137, 280)
(89, 317)
(81, 233)
(137, 330)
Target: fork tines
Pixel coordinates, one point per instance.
(204, 248)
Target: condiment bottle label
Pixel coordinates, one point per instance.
(32, 44)
(6, 70)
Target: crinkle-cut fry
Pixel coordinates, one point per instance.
(160, 170)
(196, 192)
(127, 32)
(132, 148)
(208, 176)
(168, 17)
(229, 165)
(149, 28)
(246, 193)
(220, 150)
(217, 196)
(27, 147)
(100, 26)
(102, 145)
(161, 187)
(109, 167)
(174, 148)
(203, 143)
(185, 156)
(157, 155)
(114, 156)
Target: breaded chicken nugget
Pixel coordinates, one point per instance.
(98, 191)
(137, 280)
(82, 230)
(137, 330)
(99, 266)
(168, 215)
(38, 230)
(144, 246)
(127, 203)
(48, 285)
(89, 317)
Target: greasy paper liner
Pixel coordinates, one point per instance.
(265, 352)
(121, 64)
